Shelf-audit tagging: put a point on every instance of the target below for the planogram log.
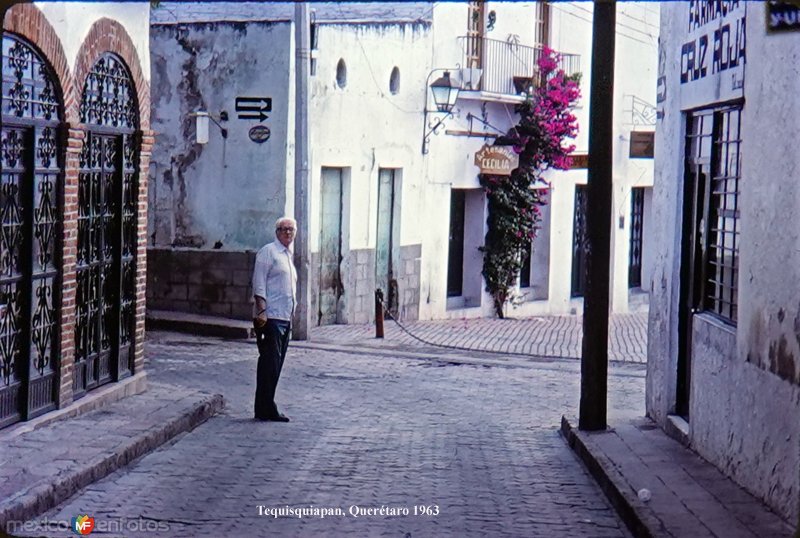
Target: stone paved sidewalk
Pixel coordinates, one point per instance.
(544, 336)
(688, 497)
(550, 336)
(44, 462)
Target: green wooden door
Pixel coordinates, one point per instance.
(330, 281)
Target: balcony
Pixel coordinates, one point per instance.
(509, 71)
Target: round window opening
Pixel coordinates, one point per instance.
(394, 81)
(341, 74)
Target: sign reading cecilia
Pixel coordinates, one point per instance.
(498, 160)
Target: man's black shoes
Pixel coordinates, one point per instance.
(273, 418)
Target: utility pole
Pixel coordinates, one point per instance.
(302, 202)
(594, 353)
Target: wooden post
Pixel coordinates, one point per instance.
(378, 313)
(302, 203)
(594, 349)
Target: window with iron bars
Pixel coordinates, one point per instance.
(713, 167)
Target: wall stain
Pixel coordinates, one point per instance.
(756, 340)
(797, 326)
(782, 360)
(191, 101)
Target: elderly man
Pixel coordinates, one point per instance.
(274, 285)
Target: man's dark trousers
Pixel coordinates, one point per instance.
(272, 340)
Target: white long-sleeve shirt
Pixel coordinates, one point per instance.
(275, 280)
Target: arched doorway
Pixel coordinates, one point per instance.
(107, 227)
(31, 201)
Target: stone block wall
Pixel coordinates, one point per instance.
(217, 282)
(360, 286)
(205, 282)
(407, 274)
(359, 275)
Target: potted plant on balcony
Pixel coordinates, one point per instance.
(540, 138)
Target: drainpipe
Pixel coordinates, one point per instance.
(302, 202)
(594, 353)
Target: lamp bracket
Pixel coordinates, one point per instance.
(222, 116)
(434, 125)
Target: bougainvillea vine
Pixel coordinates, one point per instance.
(540, 138)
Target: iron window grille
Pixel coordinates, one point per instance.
(713, 145)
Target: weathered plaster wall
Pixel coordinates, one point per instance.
(362, 127)
(745, 380)
(662, 344)
(769, 296)
(206, 67)
(72, 21)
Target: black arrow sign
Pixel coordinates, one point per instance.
(253, 108)
(260, 116)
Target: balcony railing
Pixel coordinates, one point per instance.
(507, 67)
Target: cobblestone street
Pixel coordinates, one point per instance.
(543, 336)
(477, 443)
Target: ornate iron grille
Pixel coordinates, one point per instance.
(30, 230)
(635, 254)
(108, 96)
(107, 228)
(579, 242)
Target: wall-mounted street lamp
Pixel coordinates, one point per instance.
(201, 131)
(445, 93)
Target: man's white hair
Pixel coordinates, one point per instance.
(285, 219)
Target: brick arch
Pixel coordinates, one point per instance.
(108, 35)
(27, 21)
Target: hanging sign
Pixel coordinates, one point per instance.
(578, 161)
(642, 144)
(497, 160)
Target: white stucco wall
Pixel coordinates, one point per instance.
(72, 21)
(229, 190)
(745, 379)
(450, 161)
(364, 126)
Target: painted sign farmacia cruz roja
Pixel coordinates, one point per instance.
(713, 58)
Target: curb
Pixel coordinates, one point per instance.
(96, 399)
(198, 325)
(621, 496)
(42, 497)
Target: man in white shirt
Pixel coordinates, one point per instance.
(274, 288)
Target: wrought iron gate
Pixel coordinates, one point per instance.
(579, 242)
(635, 257)
(30, 225)
(107, 228)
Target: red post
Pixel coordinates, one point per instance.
(378, 313)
